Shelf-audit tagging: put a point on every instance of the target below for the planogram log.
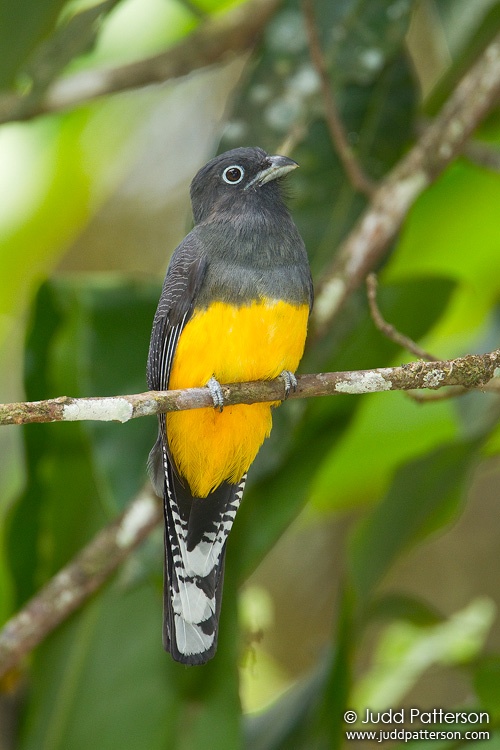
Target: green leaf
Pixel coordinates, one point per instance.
(430, 246)
(60, 508)
(23, 24)
(487, 685)
(340, 678)
(384, 429)
(387, 430)
(426, 494)
(109, 342)
(272, 503)
(132, 32)
(287, 723)
(57, 173)
(465, 248)
(405, 651)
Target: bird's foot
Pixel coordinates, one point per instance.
(290, 382)
(215, 389)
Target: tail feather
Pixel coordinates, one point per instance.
(196, 531)
(190, 615)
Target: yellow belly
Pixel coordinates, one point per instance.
(233, 344)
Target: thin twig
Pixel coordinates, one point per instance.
(389, 330)
(423, 397)
(355, 173)
(64, 593)
(427, 397)
(444, 139)
(471, 371)
(399, 338)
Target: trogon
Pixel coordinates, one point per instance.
(234, 307)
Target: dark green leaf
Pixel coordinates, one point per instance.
(403, 607)
(286, 725)
(112, 350)
(487, 685)
(339, 683)
(23, 24)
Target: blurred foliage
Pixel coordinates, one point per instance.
(24, 25)
(396, 472)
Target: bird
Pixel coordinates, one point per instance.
(234, 307)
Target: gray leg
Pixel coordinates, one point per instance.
(290, 382)
(215, 389)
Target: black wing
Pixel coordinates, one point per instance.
(182, 283)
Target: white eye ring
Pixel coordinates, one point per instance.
(227, 178)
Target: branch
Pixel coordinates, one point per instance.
(471, 371)
(443, 140)
(64, 593)
(233, 32)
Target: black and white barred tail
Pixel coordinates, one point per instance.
(196, 530)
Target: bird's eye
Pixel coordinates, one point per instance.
(232, 175)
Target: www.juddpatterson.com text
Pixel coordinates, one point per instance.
(407, 735)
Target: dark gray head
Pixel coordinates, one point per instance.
(236, 179)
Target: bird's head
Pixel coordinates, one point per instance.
(237, 178)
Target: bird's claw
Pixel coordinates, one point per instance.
(290, 382)
(215, 389)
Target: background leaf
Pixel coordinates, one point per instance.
(23, 25)
(487, 684)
